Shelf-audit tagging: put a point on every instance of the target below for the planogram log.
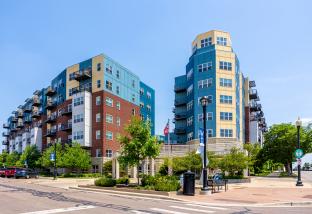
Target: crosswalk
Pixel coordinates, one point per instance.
(183, 209)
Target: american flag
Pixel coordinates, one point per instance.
(166, 129)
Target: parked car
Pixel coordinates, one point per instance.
(2, 172)
(26, 173)
(10, 172)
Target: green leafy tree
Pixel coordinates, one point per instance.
(253, 150)
(31, 155)
(234, 163)
(214, 160)
(3, 159)
(45, 159)
(108, 168)
(76, 158)
(138, 143)
(281, 143)
(12, 159)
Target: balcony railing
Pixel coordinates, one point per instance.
(252, 83)
(36, 101)
(35, 114)
(5, 142)
(180, 131)
(20, 125)
(6, 126)
(180, 116)
(50, 91)
(13, 129)
(66, 126)
(14, 119)
(51, 132)
(51, 105)
(27, 120)
(180, 102)
(253, 94)
(83, 74)
(51, 119)
(67, 111)
(27, 109)
(20, 114)
(5, 134)
(255, 107)
(179, 88)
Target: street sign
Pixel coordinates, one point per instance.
(298, 153)
(52, 157)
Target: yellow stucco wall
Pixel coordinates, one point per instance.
(72, 83)
(97, 75)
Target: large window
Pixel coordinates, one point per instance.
(118, 121)
(109, 153)
(226, 116)
(205, 83)
(98, 134)
(109, 69)
(98, 100)
(118, 74)
(118, 105)
(206, 42)
(98, 67)
(221, 41)
(189, 105)
(209, 116)
(78, 135)
(225, 99)
(226, 133)
(109, 118)
(109, 135)
(225, 65)
(117, 89)
(225, 82)
(98, 83)
(189, 121)
(148, 95)
(109, 101)
(209, 133)
(204, 67)
(98, 117)
(109, 85)
(148, 108)
(78, 118)
(189, 90)
(78, 101)
(190, 136)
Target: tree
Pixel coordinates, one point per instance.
(281, 143)
(12, 159)
(31, 155)
(3, 159)
(45, 159)
(138, 143)
(234, 163)
(253, 150)
(76, 158)
(108, 167)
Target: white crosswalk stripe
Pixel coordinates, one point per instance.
(207, 206)
(193, 209)
(167, 211)
(139, 212)
(61, 210)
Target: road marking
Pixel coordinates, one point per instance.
(61, 210)
(209, 207)
(192, 209)
(167, 211)
(139, 212)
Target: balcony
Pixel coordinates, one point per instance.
(51, 119)
(6, 126)
(51, 133)
(180, 131)
(50, 91)
(14, 119)
(27, 109)
(36, 101)
(180, 102)
(67, 111)
(20, 125)
(66, 126)
(5, 142)
(5, 134)
(27, 120)
(50, 105)
(13, 129)
(82, 75)
(20, 114)
(253, 94)
(180, 116)
(252, 84)
(179, 88)
(35, 114)
(255, 107)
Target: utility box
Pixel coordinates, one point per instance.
(189, 183)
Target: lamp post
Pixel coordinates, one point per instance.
(54, 174)
(204, 103)
(298, 124)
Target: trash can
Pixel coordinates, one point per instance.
(189, 183)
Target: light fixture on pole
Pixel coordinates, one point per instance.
(204, 103)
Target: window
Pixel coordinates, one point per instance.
(109, 85)
(149, 95)
(209, 99)
(133, 84)
(118, 121)
(225, 65)
(98, 117)
(205, 83)
(225, 82)
(226, 133)
(109, 153)
(117, 89)
(206, 42)
(148, 107)
(209, 116)
(189, 105)
(225, 99)
(209, 132)
(141, 105)
(98, 134)
(70, 92)
(226, 116)
(109, 135)
(133, 112)
(109, 118)
(78, 101)
(118, 105)
(78, 135)
(71, 76)
(204, 67)
(189, 121)
(98, 100)
(59, 127)
(118, 74)
(141, 91)
(189, 90)
(98, 83)
(189, 74)
(109, 69)
(190, 136)
(142, 116)
(221, 41)
(109, 102)
(98, 153)
(59, 112)
(98, 67)
(78, 118)
(133, 98)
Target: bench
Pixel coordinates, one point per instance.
(213, 183)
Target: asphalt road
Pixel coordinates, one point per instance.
(21, 197)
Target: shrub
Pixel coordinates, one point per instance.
(148, 180)
(167, 183)
(123, 180)
(105, 182)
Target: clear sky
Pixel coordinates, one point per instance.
(38, 39)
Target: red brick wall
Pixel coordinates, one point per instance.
(97, 144)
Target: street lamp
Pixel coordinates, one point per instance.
(204, 103)
(298, 124)
(54, 174)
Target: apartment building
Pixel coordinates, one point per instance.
(89, 102)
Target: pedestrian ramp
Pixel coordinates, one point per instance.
(182, 209)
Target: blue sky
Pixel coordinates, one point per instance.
(272, 39)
